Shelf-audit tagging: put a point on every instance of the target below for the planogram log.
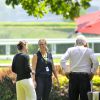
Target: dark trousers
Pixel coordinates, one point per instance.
(43, 87)
(79, 84)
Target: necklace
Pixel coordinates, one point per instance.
(45, 56)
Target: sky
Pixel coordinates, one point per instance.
(96, 2)
(18, 14)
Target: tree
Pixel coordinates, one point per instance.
(70, 9)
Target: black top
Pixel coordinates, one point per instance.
(44, 67)
(21, 66)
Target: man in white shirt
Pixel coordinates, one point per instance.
(83, 65)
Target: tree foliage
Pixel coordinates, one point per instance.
(38, 8)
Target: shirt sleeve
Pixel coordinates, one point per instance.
(64, 59)
(13, 65)
(95, 62)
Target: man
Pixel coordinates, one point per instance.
(83, 65)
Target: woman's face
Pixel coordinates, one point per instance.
(25, 47)
(42, 45)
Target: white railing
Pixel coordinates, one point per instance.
(52, 42)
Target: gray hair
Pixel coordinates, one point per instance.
(80, 40)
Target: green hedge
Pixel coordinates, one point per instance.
(60, 92)
(8, 90)
(60, 48)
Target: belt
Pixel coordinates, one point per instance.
(81, 73)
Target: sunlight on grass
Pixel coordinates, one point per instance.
(5, 61)
(56, 60)
(10, 61)
(36, 30)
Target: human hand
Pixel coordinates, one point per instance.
(58, 84)
(67, 74)
(34, 83)
(91, 76)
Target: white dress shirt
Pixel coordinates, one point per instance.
(82, 59)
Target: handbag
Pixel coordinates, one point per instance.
(93, 95)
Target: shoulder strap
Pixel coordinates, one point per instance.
(49, 55)
(80, 59)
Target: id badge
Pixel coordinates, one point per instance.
(47, 69)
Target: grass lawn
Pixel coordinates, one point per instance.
(36, 30)
(5, 61)
(57, 60)
(10, 61)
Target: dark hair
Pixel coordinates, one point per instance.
(21, 44)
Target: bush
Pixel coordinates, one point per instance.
(2, 49)
(96, 80)
(7, 89)
(96, 83)
(61, 92)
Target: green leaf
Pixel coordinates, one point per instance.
(38, 8)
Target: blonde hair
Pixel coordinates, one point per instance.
(44, 41)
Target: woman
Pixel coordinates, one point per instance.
(42, 64)
(24, 86)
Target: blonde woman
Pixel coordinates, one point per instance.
(24, 86)
(42, 65)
